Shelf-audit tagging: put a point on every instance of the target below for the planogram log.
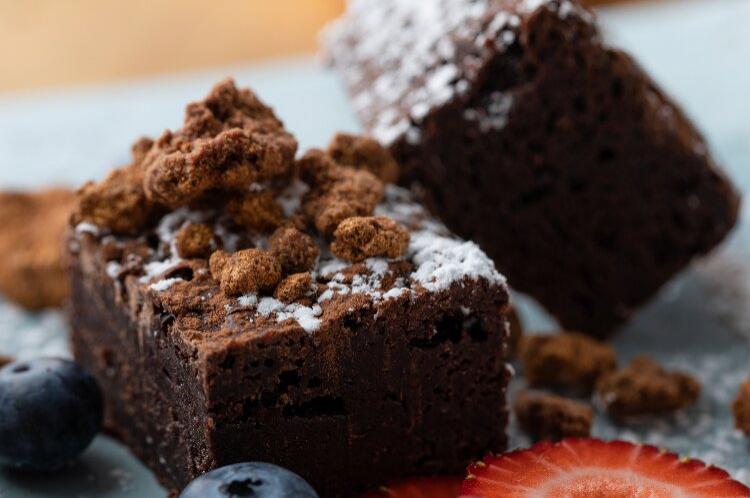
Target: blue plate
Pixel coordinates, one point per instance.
(699, 323)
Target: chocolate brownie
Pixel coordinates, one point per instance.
(32, 234)
(254, 307)
(556, 153)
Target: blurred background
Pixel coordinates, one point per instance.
(55, 43)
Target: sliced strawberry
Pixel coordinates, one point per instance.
(419, 487)
(589, 468)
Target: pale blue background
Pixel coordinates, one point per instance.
(700, 52)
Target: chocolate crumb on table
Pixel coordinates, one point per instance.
(643, 387)
(5, 360)
(237, 304)
(533, 137)
(741, 408)
(550, 417)
(32, 235)
(567, 360)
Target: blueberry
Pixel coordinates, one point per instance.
(249, 480)
(50, 410)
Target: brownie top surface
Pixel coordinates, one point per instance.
(402, 59)
(227, 231)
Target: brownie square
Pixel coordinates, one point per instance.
(556, 153)
(352, 372)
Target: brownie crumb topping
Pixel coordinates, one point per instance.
(359, 238)
(228, 141)
(336, 192)
(195, 240)
(364, 153)
(294, 288)
(552, 418)
(741, 408)
(257, 211)
(645, 388)
(248, 271)
(223, 236)
(566, 360)
(118, 203)
(296, 251)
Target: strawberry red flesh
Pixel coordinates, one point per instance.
(589, 468)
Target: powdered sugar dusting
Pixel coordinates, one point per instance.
(164, 284)
(402, 59)
(442, 261)
(307, 317)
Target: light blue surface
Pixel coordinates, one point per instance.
(700, 322)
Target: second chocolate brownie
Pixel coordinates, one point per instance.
(556, 153)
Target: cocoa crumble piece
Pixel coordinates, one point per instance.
(247, 271)
(364, 153)
(552, 418)
(359, 238)
(741, 408)
(294, 288)
(32, 229)
(140, 148)
(5, 360)
(229, 141)
(336, 193)
(565, 360)
(296, 251)
(643, 387)
(195, 240)
(217, 262)
(257, 211)
(117, 203)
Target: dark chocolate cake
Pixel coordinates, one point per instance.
(237, 305)
(556, 153)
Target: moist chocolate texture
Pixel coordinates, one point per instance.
(237, 304)
(556, 153)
